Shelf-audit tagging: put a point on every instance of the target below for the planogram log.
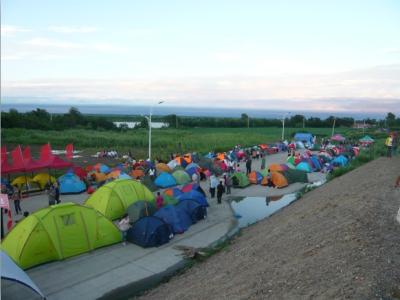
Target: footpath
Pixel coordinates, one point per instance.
(117, 271)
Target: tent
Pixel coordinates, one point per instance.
(10, 271)
(275, 167)
(315, 162)
(137, 174)
(192, 171)
(305, 138)
(102, 168)
(366, 140)
(170, 200)
(194, 195)
(293, 176)
(118, 174)
(178, 219)
(99, 177)
(195, 210)
(165, 180)
(71, 184)
(255, 177)
(171, 165)
(338, 138)
(149, 232)
(22, 182)
(279, 180)
(240, 179)
(340, 161)
(174, 192)
(79, 171)
(304, 166)
(140, 209)
(181, 177)
(58, 232)
(42, 179)
(146, 180)
(192, 165)
(113, 198)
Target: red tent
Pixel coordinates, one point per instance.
(50, 160)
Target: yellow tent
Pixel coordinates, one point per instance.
(22, 182)
(42, 179)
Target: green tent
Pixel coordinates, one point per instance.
(140, 209)
(169, 200)
(293, 176)
(290, 159)
(113, 198)
(181, 177)
(240, 179)
(179, 168)
(264, 172)
(146, 180)
(58, 232)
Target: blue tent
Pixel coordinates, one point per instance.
(259, 177)
(124, 176)
(195, 210)
(304, 166)
(316, 163)
(192, 165)
(191, 171)
(340, 161)
(176, 192)
(306, 138)
(194, 195)
(149, 232)
(178, 219)
(10, 271)
(71, 184)
(165, 180)
(104, 169)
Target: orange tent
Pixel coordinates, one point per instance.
(264, 181)
(221, 156)
(275, 167)
(161, 167)
(137, 173)
(263, 146)
(169, 192)
(113, 174)
(100, 177)
(253, 177)
(279, 180)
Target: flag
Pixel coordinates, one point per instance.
(69, 151)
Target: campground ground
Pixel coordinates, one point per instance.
(340, 241)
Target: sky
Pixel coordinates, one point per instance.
(317, 55)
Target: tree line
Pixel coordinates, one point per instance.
(41, 119)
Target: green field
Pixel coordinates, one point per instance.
(164, 141)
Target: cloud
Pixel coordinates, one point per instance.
(370, 90)
(11, 30)
(45, 42)
(69, 29)
(391, 50)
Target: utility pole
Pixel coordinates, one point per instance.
(304, 122)
(333, 127)
(248, 121)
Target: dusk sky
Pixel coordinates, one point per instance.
(312, 55)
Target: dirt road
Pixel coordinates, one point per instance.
(340, 241)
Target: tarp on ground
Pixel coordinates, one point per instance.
(11, 271)
(178, 219)
(149, 232)
(71, 184)
(113, 198)
(58, 232)
(293, 176)
(165, 180)
(140, 209)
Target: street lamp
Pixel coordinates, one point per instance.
(283, 124)
(149, 121)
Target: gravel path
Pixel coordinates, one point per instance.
(340, 241)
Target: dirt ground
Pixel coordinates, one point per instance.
(340, 241)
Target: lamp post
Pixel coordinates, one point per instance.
(149, 121)
(333, 127)
(283, 125)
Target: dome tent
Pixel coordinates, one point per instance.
(43, 179)
(140, 209)
(113, 198)
(178, 219)
(58, 232)
(165, 180)
(240, 180)
(181, 177)
(195, 210)
(150, 232)
(71, 184)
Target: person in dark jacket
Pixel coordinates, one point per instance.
(220, 191)
(57, 192)
(248, 166)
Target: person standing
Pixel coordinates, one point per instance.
(51, 194)
(57, 193)
(213, 185)
(195, 178)
(228, 184)
(124, 226)
(159, 200)
(248, 166)
(389, 145)
(263, 163)
(17, 201)
(220, 191)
